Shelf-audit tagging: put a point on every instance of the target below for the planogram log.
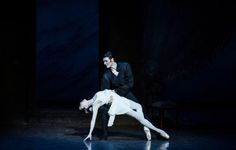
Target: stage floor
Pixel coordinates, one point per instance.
(66, 137)
(65, 130)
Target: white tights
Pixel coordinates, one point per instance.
(137, 113)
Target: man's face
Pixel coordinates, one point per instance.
(107, 62)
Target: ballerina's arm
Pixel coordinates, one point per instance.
(93, 120)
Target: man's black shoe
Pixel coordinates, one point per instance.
(104, 137)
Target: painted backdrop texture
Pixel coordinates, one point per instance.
(66, 50)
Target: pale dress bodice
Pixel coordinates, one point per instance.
(119, 105)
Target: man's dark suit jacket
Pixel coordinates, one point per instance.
(122, 83)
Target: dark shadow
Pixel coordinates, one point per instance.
(83, 132)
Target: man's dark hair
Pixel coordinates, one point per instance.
(108, 54)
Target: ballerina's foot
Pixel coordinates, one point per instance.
(148, 133)
(165, 135)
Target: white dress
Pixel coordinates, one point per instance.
(119, 105)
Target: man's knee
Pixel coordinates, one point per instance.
(131, 96)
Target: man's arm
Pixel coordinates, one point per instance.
(129, 77)
(105, 82)
(129, 81)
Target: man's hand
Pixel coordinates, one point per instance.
(89, 136)
(114, 71)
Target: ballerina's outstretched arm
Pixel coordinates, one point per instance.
(93, 120)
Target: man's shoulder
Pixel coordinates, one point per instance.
(123, 64)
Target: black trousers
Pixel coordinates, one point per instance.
(103, 110)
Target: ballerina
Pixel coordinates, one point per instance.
(118, 105)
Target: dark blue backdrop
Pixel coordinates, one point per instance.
(66, 50)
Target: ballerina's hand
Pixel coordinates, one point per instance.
(89, 136)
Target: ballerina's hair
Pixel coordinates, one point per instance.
(83, 104)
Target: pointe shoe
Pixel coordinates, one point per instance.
(148, 133)
(165, 135)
